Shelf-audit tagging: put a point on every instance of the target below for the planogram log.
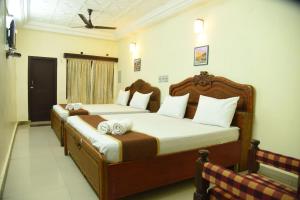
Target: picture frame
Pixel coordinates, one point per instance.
(137, 64)
(201, 55)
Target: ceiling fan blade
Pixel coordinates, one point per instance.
(105, 27)
(84, 19)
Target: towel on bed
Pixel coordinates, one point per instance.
(73, 106)
(121, 127)
(106, 126)
(69, 106)
(77, 106)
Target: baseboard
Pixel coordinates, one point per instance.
(40, 123)
(23, 123)
(3, 173)
(280, 175)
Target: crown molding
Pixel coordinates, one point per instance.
(66, 30)
(161, 13)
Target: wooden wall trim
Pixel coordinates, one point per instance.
(90, 57)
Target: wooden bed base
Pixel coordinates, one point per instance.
(57, 123)
(113, 181)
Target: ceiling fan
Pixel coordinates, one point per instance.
(89, 24)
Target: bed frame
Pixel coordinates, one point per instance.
(114, 181)
(57, 123)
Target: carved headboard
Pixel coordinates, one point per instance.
(220, 87)
(144, 87)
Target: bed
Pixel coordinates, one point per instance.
(107, 176)
(156, 126)
(59, 114)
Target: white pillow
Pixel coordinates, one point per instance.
(174, 106)
(140, 100)
(123, 97)
(218, 112)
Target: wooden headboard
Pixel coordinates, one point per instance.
(144, 87)
(220, 87)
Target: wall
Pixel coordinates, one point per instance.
(8, 98)
(46, 44)
(254, 42)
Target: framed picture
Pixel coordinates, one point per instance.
(201, 55)
(137, 64)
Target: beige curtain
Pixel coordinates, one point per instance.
(102, 82)
(79, 81)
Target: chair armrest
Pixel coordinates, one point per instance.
(239, 185)
(279, 161)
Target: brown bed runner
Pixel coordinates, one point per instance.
(135, 145)
(75, 112)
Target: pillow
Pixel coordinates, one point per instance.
(140, 100)
(123, 97)
(218, 112)
(174, 106)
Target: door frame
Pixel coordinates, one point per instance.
(30, 58)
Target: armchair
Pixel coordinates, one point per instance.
(230, 185)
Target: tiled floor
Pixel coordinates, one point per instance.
(39, 171)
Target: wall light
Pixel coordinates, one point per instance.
(199, 25)
(132, 47)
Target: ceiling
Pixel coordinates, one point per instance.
(126, 15)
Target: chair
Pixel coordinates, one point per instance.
(230, 185)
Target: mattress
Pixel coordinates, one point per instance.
(174, 135)
(100, 109)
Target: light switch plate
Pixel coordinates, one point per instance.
(163, 79)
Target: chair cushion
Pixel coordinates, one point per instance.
(271, 183)
(217, 193)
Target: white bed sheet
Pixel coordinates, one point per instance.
(175, 135)
(100, 109)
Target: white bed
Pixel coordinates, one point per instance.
(100, 109)
(174, 135)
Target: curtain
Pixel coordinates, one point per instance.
(79, 81)
(90, 81)
(102, 82)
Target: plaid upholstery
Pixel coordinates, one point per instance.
(270, 183)
(217, 193)
(241, 186)
(283, 162)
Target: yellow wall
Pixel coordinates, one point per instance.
(254, 42)
(8, 98)
(46, 44)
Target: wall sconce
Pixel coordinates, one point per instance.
(199, 25)
(132, 47)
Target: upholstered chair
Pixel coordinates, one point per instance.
(215, 182)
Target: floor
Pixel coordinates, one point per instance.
(39, 170)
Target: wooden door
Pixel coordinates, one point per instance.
(41, 87)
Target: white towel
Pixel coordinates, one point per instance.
(77, 106)
(121, 127)
(106, 126)
(73, 106)
(69, 106)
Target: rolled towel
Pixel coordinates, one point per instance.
(121, 127)
(69, 106)
(106, 126)
(77, 106)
